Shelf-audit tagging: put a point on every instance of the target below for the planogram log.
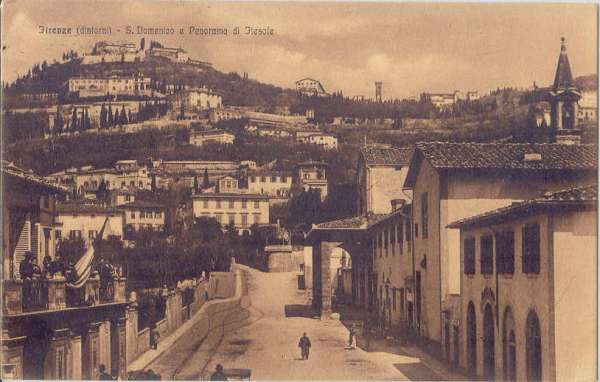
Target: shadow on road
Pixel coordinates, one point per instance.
(298, 310)
(418, 372)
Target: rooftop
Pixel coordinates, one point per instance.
(142, 204)
(552, 156)
(573, 197)
(84, 208)
(355, 222)
(10, 169)
(218, 195)
(381, 155)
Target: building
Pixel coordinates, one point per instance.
(392, 271)
(173, 54)
(84, 221)
(240, 209)
(563, 97)
(196, 100)
(446, 100)
(119, 197)
(381, 172)
(310, 87)
(327, 141)
(141, 215)
(312, 176)
(200, 138)
(270, 182)
(86, 87)
(452, 181)
(588, 106)
(51, 330)
(531, 316)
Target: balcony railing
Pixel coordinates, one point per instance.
(24, 296)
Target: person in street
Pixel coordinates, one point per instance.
(219, 374)
(351, 336)
(154, 337)
(104, 376)
(304, 346)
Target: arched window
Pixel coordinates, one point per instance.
(489, 363)
(509, 350)
(533, 347)
(471, 339)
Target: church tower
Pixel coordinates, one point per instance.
(564, 96)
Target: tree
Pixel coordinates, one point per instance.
(196, 184)
(123, 117)
(74, 120)
(102, 192)
(103, 117)
(58, 123)
(110, 120)
(305, 209)
(205, 181)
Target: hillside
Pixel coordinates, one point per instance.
(235, 90)
(589, 82)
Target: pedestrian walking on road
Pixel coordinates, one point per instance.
(351, 336)
(219, 374)
(154, 337)
(304, 346)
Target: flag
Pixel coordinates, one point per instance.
(83, 267)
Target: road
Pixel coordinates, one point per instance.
(258, 335)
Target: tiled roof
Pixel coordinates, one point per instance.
(378, 155)
(563, 77)
(84, 208)
(579, 196)
(355, 222)
(10, 169)
(142, 204)
(545, 156)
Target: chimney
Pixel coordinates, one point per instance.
(397, 204)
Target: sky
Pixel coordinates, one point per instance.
(410, 47)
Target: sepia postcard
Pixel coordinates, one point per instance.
(203, 190)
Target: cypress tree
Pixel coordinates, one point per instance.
(103, 115)
(110, 120)
(205, 182)
(74, 120)
(123, 118)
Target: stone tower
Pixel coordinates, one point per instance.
(564, 96)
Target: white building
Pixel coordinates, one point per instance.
(270, 182)
(312, 176)
(310, 87)
(84, 221)
(144, 215)
(87, 87)
(588, 106)
(196, 99)
(328, 141)
(200, 138)
(173, 54)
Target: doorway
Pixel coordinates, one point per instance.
(489, 364)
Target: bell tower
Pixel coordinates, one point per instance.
(564, 96)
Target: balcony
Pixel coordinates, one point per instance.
(41, 295)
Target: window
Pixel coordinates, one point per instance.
(219, 218)
(256, 204)
(424, 217)
(244, 203)
(253, 179)
(394, 299)
(486, 252)
(133, 214)
(256, 218)
(205, 203)
(400, 236)
(393, 239)
(142, 214)
(92, 234)
(283, 179)
(505, 252)
(58, 235)
(218, 204)
(263, 179)
(127, 198)
(416, 229)
(385, 239)
(380, 243)
(74, 234)
(231, 218)
(244, 220)
(531, 248)
(273, 179)
(469, 255)
(407, 232)
(231, 204)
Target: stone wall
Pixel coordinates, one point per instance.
(219, 285)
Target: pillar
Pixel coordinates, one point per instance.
(322, 280)
(75, 357)
(131, 328)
